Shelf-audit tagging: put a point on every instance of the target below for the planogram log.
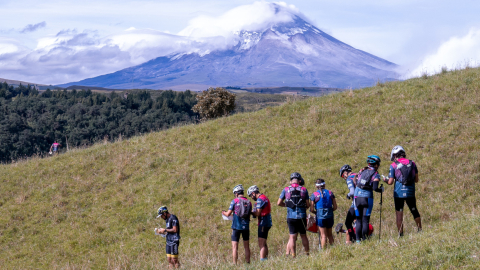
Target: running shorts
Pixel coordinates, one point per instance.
(263, 232)
(325, 223)
(172, 249)
(236, 235)
(297, 225)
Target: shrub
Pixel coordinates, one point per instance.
(214, 103)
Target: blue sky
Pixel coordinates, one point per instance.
(57, 41)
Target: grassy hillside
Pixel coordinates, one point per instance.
(95, 208)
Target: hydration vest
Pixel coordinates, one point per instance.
(243, 208)
(267, 209)
(296, 197)
(323, 199)
(365, 179)
(407, 178)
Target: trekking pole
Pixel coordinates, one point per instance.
(381, 201)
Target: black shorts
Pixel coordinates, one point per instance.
(172, 249)
(263, 232)
(400, 203)
(236, 235)
(297, 225)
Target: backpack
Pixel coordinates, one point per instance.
(406, 170)
(323, 199)
(295, 197)
(243, 208)
(365, 179)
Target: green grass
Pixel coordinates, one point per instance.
(95, 208)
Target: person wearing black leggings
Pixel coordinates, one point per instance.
(368, 179)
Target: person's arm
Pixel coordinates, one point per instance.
(390, 180)
(312, 207)
(375, 186)
(51, 146)
(334, 204)
(174, 229)
(227, 213)
(416, 178)
(258, 208)
(280, 202)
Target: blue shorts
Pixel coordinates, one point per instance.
(325, 223)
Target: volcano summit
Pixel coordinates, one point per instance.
(286, 51)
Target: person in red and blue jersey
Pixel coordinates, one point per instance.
(261, 210)
(54, 147)
(295, 198)
(323, 203)
(368, 179)
(350, 178)
(404, 191)
(240, 226)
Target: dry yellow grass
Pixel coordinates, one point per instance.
(95, 208)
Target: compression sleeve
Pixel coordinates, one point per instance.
(375, 187)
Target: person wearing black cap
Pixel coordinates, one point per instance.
(172, 232)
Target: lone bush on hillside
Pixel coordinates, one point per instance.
(214, 103)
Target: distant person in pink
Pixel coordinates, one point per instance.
(54, 148)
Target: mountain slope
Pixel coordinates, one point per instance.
(293, 53)
(95, 207)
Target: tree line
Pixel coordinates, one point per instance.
(31, 121)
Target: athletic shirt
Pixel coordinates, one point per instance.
(173, 238)
(400, 190)
(365, 193)
(298, 212)
(239, 223)
(351, 183)
(323, 213)
(55, 146)
(263, 205)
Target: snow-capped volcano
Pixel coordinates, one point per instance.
(287, 51)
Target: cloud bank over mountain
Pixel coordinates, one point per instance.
(455, 53)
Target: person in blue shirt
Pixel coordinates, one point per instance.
(404, 191)
(295, 198)
(240, 225)
(262, 210)
(368, 179)
(323, 204)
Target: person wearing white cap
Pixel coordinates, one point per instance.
(241, 208)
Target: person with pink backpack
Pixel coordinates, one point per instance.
(295, 198)
(241, 208)
(404, 173)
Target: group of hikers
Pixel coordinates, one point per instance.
(403, 174)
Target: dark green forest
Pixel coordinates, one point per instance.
(31, 121)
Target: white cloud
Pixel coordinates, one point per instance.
(258, 15)
(455, 53)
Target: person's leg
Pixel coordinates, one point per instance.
(306, 244)
(329, 233)
(359, 207)
(412, 205)
(366, 218)
(302, 229)
(292, 238)
(174, 256)
(262, 242)
(365, 222)
(323, 237)
(348, 223)
(235, 240)
(246, 244)
(291, 246)
(399, 203)
(235, 251)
